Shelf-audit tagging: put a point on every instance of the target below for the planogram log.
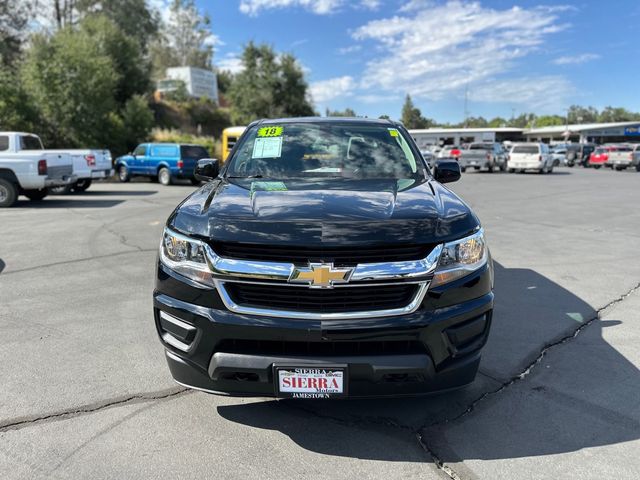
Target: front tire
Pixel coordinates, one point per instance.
(511, 170)
(597, 167)
(123, 174)
(36, 195)
(82, 185)
(164, 176)
(8, 193)
(463, 169)
(195, 182)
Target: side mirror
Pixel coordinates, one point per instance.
(446, 171)
(207, 169)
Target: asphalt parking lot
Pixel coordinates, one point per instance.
(86, 392)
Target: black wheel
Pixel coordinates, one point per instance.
(556, 163)
(82, 185)
(123, 174)
(62, 190)
(550, 169)
(476, 168)
(195, 182)
(503, 167)
(511, 170)
(164, 176)
(463, 169)
(638, 167)
(36, 195)
(8, 193)
(571, 164)
(597, 166)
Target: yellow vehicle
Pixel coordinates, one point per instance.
(229, 138)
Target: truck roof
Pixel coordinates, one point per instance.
(374, 121)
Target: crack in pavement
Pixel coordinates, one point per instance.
(418, 432)
(360, 421)
(19, 423)
(78, 260)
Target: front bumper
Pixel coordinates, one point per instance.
(435, 348)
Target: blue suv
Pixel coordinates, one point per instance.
(164, 161)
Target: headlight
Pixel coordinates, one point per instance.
(185, 256)
(460, 258)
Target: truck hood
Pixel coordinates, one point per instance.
(324, 212)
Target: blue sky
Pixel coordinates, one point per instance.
(537, 56)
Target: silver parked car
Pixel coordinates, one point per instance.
(483, 155)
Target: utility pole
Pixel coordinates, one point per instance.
(466, 99)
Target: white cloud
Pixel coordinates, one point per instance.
(544, 94)
(349, 49)
(231, 62)
(437, 50)
(576, 59)
(319, 7)
(327, 90)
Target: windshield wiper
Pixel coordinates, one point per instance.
(245, 176)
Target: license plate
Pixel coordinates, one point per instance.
(310, 381)
(98, 174)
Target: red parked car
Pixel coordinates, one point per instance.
(600, 156)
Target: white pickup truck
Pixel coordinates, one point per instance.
(88, 164)
(27, 169)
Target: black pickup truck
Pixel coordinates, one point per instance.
(324, 259)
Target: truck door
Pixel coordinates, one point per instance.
(138, 160)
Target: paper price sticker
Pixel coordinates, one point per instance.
(270, 131)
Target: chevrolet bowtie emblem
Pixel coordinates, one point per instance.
(320, 275)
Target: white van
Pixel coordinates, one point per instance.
(530, 156)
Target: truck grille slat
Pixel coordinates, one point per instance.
(322, 300)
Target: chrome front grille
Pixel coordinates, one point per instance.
(262, 287)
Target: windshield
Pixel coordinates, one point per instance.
(480, 146)
(525, 149)
(294, 150)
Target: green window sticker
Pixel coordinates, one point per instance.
(393, 132)
(270, 131)
(267, 187)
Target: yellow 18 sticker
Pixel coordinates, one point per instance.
(270, 132)
(393, 132)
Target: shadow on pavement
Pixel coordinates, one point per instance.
(583, 394)
(101, 193)
(67, 202)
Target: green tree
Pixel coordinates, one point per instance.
(184, 40)
(549, 121)
(411, 116)
(347, 112)
(497, 122)
(269, 86)
(17, 111)
(73, 82)
(225, 79)
(132, 126)
(617, 114)
(134, 18)
(578, 114)
(129, 62)
(14, 17)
